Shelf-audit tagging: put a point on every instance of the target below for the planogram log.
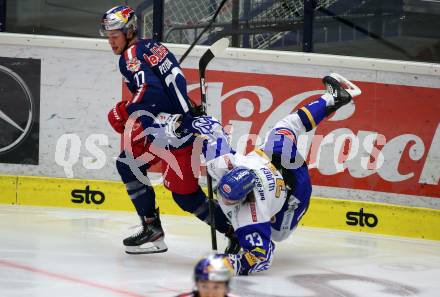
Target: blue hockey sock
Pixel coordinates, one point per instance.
(312, 114)
(142, 196)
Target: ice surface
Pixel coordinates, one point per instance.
(69, 252)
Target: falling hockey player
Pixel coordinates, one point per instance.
(265, 193)
(157, 84)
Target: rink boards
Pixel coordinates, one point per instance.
(363, 151)
(393, 158)
(357, 216)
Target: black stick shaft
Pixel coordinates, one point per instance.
(211, 212)
(202, 67)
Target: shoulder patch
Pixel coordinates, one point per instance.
(133, 64)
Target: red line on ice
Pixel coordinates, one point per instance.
(69, 278)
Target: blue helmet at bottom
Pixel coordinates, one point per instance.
(213, 268)
(237, 183)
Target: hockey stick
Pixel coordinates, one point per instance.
(203, 32)
(214, 50)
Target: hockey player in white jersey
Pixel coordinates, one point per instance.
(265, 193)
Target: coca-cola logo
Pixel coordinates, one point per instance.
(385, 142)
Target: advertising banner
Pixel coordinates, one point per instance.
(383, 148)
(19, 110)
(387, 141)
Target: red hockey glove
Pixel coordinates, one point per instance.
(133, 141)
(117, 116)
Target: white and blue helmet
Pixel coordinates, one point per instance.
(237, 183)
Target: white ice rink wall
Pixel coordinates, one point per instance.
(385, 148)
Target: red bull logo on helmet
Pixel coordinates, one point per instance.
(124, 14)
(116, 18)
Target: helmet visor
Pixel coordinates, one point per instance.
(112, 33)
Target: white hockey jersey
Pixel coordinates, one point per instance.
(252, 219)
(270, 191)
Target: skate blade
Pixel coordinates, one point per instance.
(350, 87)
(154, 247)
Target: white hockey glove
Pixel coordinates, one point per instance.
(170, 122)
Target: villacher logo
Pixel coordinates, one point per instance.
(19, 110)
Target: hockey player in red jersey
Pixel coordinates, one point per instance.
(211, 277)
(156, 81)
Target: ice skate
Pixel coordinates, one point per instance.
(149, 239)
(341, 89)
